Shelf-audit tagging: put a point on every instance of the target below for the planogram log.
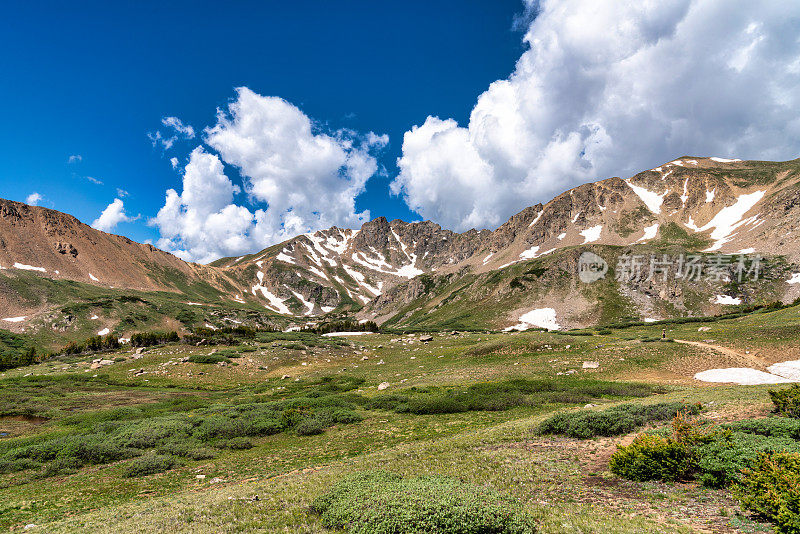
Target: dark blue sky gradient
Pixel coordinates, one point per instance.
(92, 78)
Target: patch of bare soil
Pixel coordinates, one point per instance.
(700, 508)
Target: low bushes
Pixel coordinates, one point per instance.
(93, 344)
(384, 503)
(714, 455)
(148, 465)
(652, 457)
(771, 489)
(722, 461)
(659, 457)
(504, 395)
(208, 358)
(344, 326)
(787, 401)
(148, 339)
(9, 359)
(196, 434)
(612, 421)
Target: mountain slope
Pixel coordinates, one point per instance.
(394, 271)
(702, 204)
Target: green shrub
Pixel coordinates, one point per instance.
(652, 457)
(787, 401)
(771, 426)
(201, 453)
(436, 404)
(148, 433)
(61, 466)
(309, 427)
(207, 358)
(613, 421)
(239, 444)
(228, 353)
(504, 395)
(17, 464)
(722, 460)
(331, 416)
(148, 339)
(148, 465)
(771, 489)
(385, 503)
(15, 351)
(92, 449)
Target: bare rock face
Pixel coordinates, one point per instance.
(66, 248)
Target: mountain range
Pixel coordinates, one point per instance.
(419, 275)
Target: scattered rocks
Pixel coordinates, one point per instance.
(591, 365)
(704, 329)
(383, 385)
(425, 339)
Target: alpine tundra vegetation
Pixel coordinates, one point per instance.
(591, 323)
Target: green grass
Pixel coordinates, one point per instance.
(202, 418)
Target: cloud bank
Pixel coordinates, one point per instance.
(304, 177)
(611, 88)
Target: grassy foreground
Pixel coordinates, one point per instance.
(255, 440)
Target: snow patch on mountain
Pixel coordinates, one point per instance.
(592, 234)
(727, 300)
(652, 200)
(285, 258)
(308, 304)
(530, 253)
(29, 267)
(729, 219)
(539, 317)
(649, 232)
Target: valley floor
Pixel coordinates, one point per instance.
(565, 483)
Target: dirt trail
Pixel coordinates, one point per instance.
(755, 362)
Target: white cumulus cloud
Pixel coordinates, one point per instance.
(112, 216)
(303, 179)
(33, 199)
(611, 88)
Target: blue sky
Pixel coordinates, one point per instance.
(93, 78)
(461, 112)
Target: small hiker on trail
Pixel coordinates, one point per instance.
(663, 333)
